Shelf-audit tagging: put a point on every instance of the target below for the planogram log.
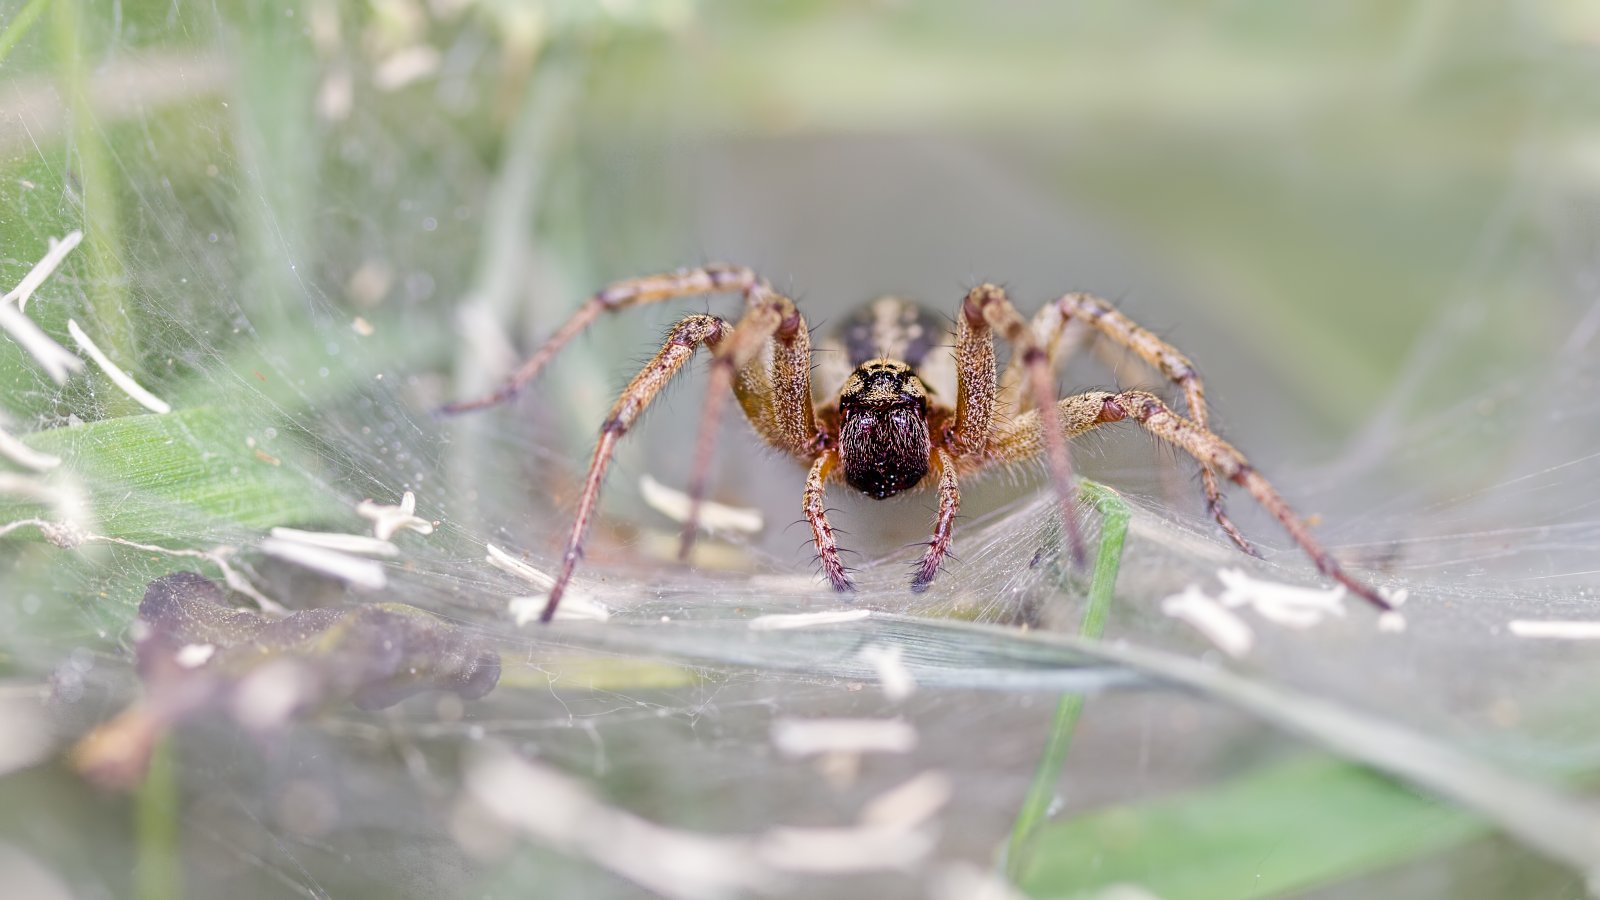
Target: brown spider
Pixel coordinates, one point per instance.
(885, 431)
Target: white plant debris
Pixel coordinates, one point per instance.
(575, 608)
(1559, 629)
(193, 656)
(1284, 604)
(405, 66)
(57, 361)
(353, 570)
(965, 881)
(556, 809)
(559, 811)
(835, 851)
(388, 520)
(716, 518)
(68, 536)
(341, 541)
(118, 377)
(1220, 625)
(26, 735)
(812, 737)
(42, 270)
(910, 805)
(1391, 622)
(893, 676)
(575, 605)
(23, 455)
(784, 621)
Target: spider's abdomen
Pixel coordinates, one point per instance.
(883, 428)
(892, 328)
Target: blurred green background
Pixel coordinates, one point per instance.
(307, 224)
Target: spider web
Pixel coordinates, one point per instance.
(306, 227)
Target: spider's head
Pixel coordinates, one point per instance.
(883, 428)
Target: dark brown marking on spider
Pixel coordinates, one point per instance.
(885, 430)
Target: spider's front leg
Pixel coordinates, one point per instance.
(987, 310)
(615, 296)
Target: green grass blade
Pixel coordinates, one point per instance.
(1114, 515)
(192, 474)
(1287, 828)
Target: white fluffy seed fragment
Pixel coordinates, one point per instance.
(1568, 630)
(57, 361)
(1284, 604)
(387, 520)
(559, 811)
(717, 518)
(893, 676)
(1220, 625)
(354, 570)
(784, 621)
(118, 377)
(26, 456)
(575, 605)
(336, 540)
(41, 270)
(810, 737)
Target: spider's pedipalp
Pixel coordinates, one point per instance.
(822, 534)
(777, 402)
(949, 503)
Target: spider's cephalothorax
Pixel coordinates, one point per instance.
(887, 428)
(883, 428)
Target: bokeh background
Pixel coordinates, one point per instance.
(307, 224)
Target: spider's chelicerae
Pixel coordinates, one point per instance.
(879, 424)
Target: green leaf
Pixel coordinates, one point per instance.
(194, 474)
(1287, 828)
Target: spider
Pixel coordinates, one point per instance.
(885, 431)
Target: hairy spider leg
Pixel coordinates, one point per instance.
(779, 407)
(681, 343)
(711, 279)
(949, 503)
(1023, 438)
(1110, 323)
(817, 515)
(989, 303)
